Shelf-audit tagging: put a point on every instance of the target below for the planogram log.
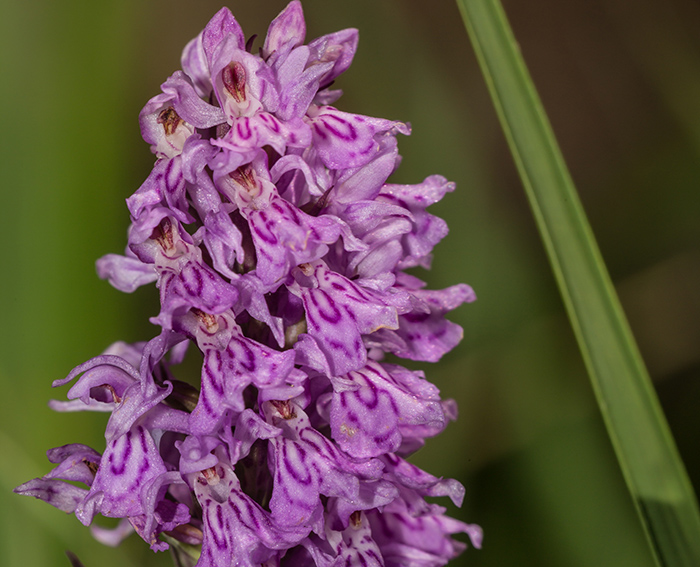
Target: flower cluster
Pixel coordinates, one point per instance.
(279, 250)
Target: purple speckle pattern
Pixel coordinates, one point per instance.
(278, 249)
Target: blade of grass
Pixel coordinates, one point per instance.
(648, 457)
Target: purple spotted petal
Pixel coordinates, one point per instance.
(369, 408)
(346, 140)
(129, 463)
(424, 539)
(411, 477)
(338, 312)
(429, 335)
(237, 531)
(286, 237)
(227, 373)
(165, 184)
(307, 465)
(278, 248)
(194, 286)
(263, 129)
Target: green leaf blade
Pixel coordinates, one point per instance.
(638, 430)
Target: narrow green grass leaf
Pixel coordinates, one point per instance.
(643, 443)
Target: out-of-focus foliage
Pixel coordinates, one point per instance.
(621, 84)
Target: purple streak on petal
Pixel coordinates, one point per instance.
(277, 247)
(358, 547)
(226, 374)
(264, 129)
(166, 184)
(371, 405)
(338, 312)
(348, 140)
(402, 536)
(129, 463)
(195, 286)
(429, 335)
(59, 494)
(285, 237)
(236, 529)
(306, 465)
(424, 484)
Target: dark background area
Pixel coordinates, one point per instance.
(620, 81)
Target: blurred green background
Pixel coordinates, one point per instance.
(621, 83)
